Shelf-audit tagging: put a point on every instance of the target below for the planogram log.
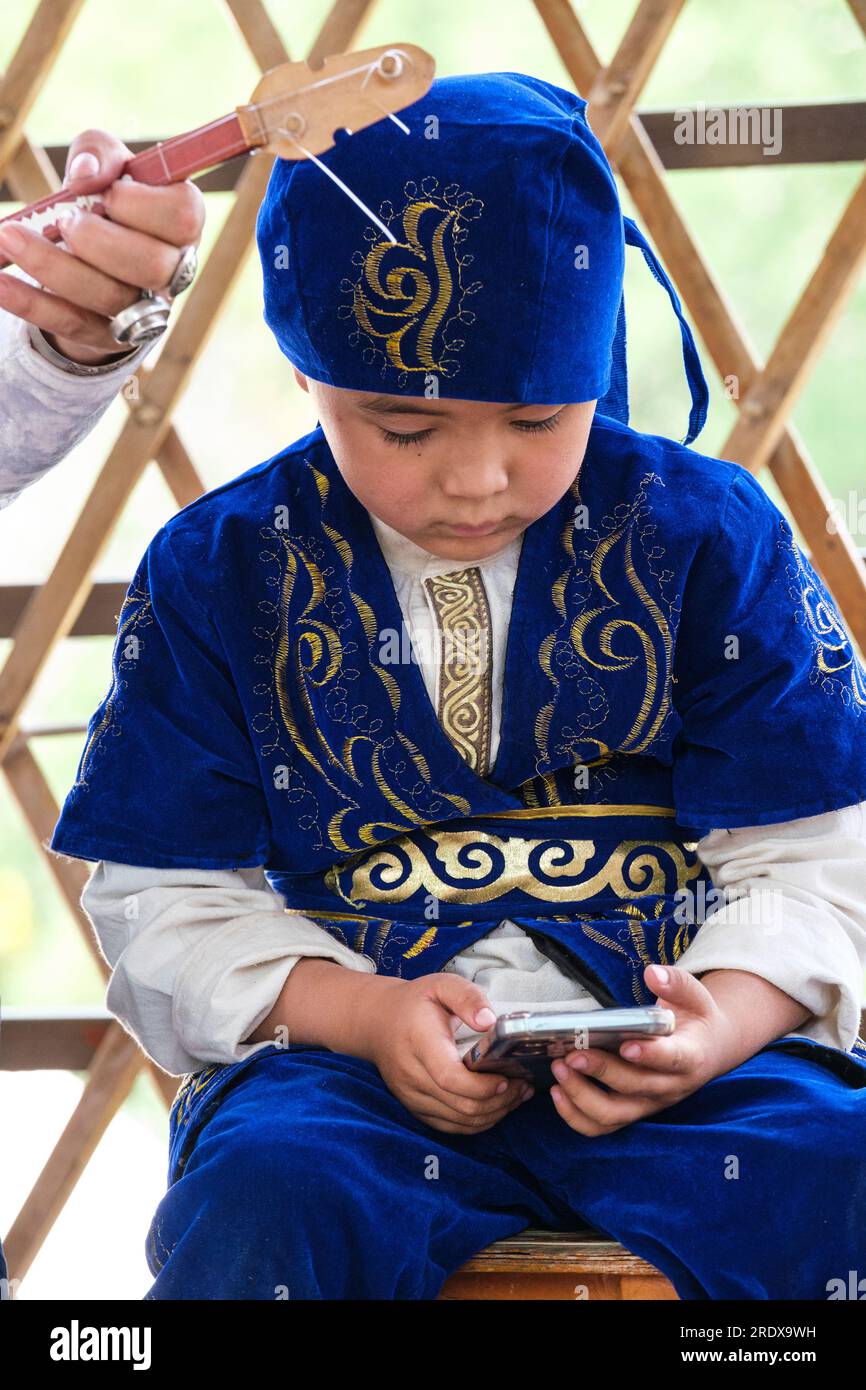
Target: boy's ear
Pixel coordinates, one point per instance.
(300, 378)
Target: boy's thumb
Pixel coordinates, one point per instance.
(658, 977)
(466, 1001)
(675, 984)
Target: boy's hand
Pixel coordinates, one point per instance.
(109, 261)
(412, 1044)
(706, 1042)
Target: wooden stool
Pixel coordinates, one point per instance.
(557, 1265)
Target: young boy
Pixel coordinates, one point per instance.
(326, 850)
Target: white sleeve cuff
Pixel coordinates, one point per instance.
(230, 983)
(199, 957)
(46, 411)
(795, 915)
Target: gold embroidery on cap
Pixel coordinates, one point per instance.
(408, 294)
(465, 693)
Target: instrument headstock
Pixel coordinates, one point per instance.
(295, 105)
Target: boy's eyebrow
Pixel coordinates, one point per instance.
(390, 405)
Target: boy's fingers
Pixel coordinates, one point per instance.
(676, 1056)
(602, 1109)
(622, 1076)
(456, 1084)
(451, 1124)
(447, 1076)
(127, 255)
(428, 1095)
(463, 999)
(175, 213)
(426, 1106)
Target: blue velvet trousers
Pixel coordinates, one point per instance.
(297, 1174)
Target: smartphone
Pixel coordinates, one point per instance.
(523, 1044)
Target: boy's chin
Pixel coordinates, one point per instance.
(449, 545)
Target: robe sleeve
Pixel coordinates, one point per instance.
(201, 958)
(168, 776)
(794, 913)
(768, 687)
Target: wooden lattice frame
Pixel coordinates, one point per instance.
(762, 434)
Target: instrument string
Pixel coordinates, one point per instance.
(344, 187)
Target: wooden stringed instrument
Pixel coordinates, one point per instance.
(294, 111)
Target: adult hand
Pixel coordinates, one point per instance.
(105, 262)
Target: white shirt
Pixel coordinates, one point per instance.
(200, 956)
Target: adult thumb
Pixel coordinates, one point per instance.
(95, 159)
(466, 1001)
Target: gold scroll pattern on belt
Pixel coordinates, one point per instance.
(470, 866)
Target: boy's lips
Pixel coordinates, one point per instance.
(482, 530)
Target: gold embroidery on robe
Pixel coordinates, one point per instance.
(604, 640)
(307, 661)
(473, 866)
(837, 668)
(465, 695)
(136, 612)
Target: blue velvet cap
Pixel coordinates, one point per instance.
(505, 278)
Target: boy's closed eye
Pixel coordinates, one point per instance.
(525, 426)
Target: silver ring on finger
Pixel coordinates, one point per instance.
(142, 321)
(184, 272)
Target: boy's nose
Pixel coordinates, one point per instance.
(475, 479)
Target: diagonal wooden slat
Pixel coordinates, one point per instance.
(858, 9)
(833, 552)
(112, 1072)
(56, 605)
(40, 811)
(29, 69)
(771, 396)
(119, 1059)
(54, 608)
(613, 94)
(179, 470)
(31, 175)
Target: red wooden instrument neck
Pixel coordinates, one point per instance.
(170, 161)
(174, 160)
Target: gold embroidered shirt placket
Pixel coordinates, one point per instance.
(465, 687)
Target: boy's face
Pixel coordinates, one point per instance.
(433, 468)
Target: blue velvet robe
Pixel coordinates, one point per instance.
(673, 664)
